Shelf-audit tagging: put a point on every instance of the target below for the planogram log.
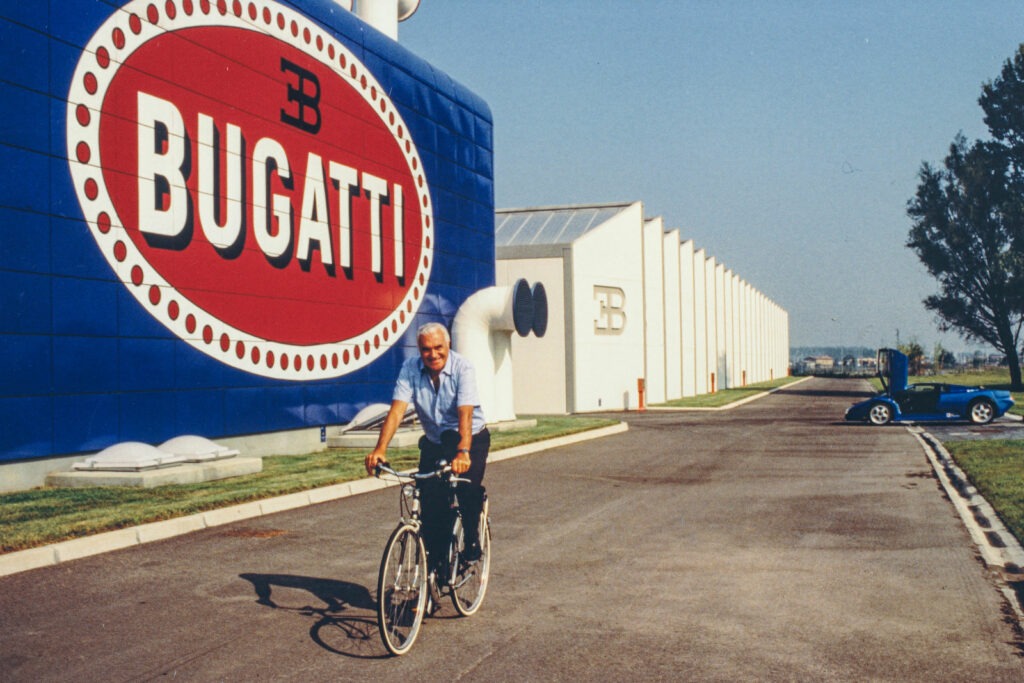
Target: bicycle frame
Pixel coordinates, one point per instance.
(408, 588)
(410, 508)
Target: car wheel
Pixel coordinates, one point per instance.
(880, 414)
(981, 412)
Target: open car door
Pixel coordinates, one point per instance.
(893, 370)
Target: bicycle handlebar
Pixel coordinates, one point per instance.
(384, 468)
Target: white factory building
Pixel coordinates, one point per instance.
(633, 306)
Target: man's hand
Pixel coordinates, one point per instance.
(379, 453)
(460, 465)
(373, 459)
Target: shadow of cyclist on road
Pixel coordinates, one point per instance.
(347, 622)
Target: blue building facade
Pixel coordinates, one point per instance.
(222, 218)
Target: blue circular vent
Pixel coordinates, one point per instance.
(522, 307)
(540, 310)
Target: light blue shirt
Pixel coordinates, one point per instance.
(438, 409)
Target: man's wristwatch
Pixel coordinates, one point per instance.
(463, 450)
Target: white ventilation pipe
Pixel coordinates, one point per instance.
(383, 15)
(482, 332)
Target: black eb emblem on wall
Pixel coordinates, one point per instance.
(306, 98)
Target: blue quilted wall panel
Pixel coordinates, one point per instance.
(352, 187)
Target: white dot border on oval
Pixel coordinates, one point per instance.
(392, 327)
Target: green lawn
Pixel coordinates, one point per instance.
(727, 396)
(47, 515)
(996, 468)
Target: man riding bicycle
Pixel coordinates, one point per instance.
(441, 385)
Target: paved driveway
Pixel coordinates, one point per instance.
(769, 542)
(1003, 428)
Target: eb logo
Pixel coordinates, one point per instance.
(304, 98)
(611, 314)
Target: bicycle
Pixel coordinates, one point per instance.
(406, 590)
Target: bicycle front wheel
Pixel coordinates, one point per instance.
(402, 590)
(471, 578)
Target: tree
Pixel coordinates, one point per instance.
(942, 358)
(915, 356)
(968, 224)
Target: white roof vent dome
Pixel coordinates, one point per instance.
(192, 448)
(129, 456)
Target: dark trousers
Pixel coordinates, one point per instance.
(437, 517)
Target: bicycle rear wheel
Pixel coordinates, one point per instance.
(402, 590)
(471, 578)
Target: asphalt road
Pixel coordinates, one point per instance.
(1006, 427)
(768, 542)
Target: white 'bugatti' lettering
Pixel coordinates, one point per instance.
(253, 206)
(163, 195)
(221, 235)
(160, 127)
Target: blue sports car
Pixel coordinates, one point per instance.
(925, 402)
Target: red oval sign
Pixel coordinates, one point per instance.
(251, 184)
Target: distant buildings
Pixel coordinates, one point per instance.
(823, 364)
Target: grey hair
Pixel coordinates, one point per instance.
(428, 328)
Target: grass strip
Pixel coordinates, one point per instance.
(47, 515)
(724, 397)
(996, 468)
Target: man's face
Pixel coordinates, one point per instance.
(434, 351)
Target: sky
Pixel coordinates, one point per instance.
(785, 138)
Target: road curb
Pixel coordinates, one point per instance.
(999, 548)
(65, 551)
